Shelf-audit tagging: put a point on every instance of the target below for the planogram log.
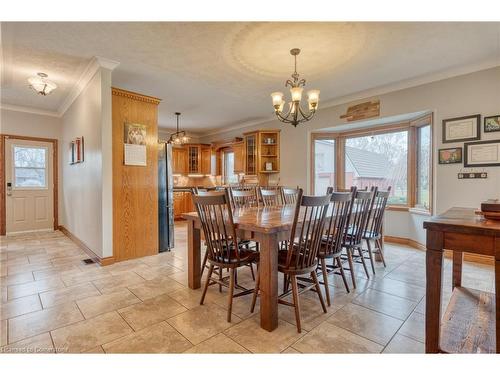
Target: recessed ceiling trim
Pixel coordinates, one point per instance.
(94, 65)
(377, 91)
(35, 111)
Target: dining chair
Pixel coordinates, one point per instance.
(332, 240)
(270, 196)
(374, 227)
(289, 195)
(223, 247)
(300, 258)
(242, 197)
(360, 212)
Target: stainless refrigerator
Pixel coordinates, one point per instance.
(165, 198)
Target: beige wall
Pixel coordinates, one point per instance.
(86, 186)
(469, 94)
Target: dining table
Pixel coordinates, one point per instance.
(266, 225)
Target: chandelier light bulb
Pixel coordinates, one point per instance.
(313, 97)
(296, 93)
(277, 99)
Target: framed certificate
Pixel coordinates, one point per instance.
(482, 154)
(460, 129)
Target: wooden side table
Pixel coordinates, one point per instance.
(470, 323)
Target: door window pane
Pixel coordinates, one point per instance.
(423, 166)
(30, 167)
(324, 165)
(379, 160)
(229, 176)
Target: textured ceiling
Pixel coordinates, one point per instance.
(221, 74)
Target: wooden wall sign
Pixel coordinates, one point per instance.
(362, 111)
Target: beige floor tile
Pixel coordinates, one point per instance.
(328, 338)
(219, 344)
(33, 345)
(55, 271)
(151, 311)
(18, 278)
(12, 270)
(367, 323)
(121, 280)
(399, 288)
(202, 322)
(249, 334)
(88, 334)
(414, 327)
(389, 304)
(19, 261)
(34, 287)
(65, 295)
(101, 304)
(152, 272)
(404, 345)
(32, 324)
(3, 332)
(20, 306)
(159, 338)
(290, 350)
(95, 350)
(155, 287)
(132, 265)
(73, 278)
(241, 305)
(190, 298)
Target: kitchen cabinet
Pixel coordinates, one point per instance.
(183, 203)
(206, 160)
(179, 160)
(239, 157)
(262, 154)
(193, 159)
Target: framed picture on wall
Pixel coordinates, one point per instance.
(492, 124)
(461, 129)
(482, 154)
(450, 155)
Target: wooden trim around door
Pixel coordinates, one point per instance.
(55, 164)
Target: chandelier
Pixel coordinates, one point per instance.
(41, 84)
(295, 114)
(179, 137)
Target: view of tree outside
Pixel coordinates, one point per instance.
(423, 170)
(394, 148)
(30, 166)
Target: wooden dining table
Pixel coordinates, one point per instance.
(266, 225)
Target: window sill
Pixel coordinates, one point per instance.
(420, 211)
(397, 208)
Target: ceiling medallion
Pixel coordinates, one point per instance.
(295, 114)
(179, 137)
(41, 84)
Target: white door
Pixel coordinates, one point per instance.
(30, 185)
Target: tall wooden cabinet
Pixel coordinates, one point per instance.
(262, 154)
(239, 157)
(179, 160)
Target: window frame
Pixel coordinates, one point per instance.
(411, 126)
(14, 175)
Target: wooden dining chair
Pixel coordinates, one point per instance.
(300, 258)
(331, 242)
(360, 212)
(223, 247)
(374, 227)
(270, 196)
(289, 195)
(244, 197)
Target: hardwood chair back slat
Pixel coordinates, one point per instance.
(216, 217)
(374, 228)
(243, 198)
(289, 195)
(336, 224)
(358, 219)
(270, 196)
(305, 239)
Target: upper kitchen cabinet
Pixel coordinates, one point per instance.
(206, 160)
(198, 159)
(239, 157)
(262, 154)
(179, 160)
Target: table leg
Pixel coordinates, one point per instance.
(194, 256)
(268, 269)
(434, 274)
(457, 268)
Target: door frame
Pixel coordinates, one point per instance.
(3, 137)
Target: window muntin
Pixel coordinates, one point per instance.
(30, 167)
(324, 165)
(379, 160)
(423, 198)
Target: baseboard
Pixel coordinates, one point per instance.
(102, 261)
(468, 257)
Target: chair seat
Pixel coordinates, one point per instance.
(282, 264)
(230, 259)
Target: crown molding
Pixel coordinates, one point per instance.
(35, 111)
(94, 65)
(377, 91)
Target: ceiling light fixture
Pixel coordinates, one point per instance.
(179, 137)
(295, 113)
(41, 84)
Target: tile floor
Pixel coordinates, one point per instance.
(53, 302)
